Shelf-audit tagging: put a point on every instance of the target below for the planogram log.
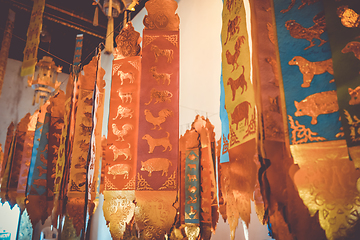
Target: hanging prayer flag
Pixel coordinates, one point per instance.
(14, 174)
(38, 133)
(121, 148)
(158, 143)
(95, 142)
(80, 145)
(37, 180)
(312, 105)
(159, 108)
(9, 137)
(343, 29)
(33, 38)
(26, 159)
(224, 154)
(5, 45)
(241, 108)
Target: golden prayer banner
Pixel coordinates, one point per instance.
(5, 45)
(33, 38)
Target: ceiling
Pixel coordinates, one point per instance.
(62, 21)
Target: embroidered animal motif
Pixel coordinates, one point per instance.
(311, 33)
(168, 53)
(349, 18)
(159, 96)
(192, 211)
(120, 169)
(274, 68)
(156, 121)
(274, 104)
(41, 170)
(85, 130)
(239, 82)
(121, 151)
(232, 58)
(355, 96)
(88, 101)
(156, 164)
(304, 2)
(124, 76)
(309, 69)
(39, 182)
(120, 133)
(192, 157)
(240, 113)
(192, 189)
(159, 76)
(316, 104)
(123, 112)
(125, 97)
(352, 47)
(83, 145)
(233, 27)
(229, 4)
(192, 200)
(191, 178)
(154, 142)
(192, 166)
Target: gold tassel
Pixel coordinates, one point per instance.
(96, 17)
(109, 41)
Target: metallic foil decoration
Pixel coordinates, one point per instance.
(342, 22)
(154, 213)
(34, 153)
(80, 146)
(208, 192)
(198, 188)
(78, 51)
(128, 43)
(327, 182)
(33, 38)
(6, 162)
(240, 107)
(14, 173)
(119, 209)
(296, 30)
(57, 110)
(313, 107)
(161, 15)
(307, 71)
(158, 142)
(5, 45)
(95, 142)
(349, 17)
(159, 114)
(121, 149)
(26, 160)
(37, 185)
(271, 109)
(192, 186)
